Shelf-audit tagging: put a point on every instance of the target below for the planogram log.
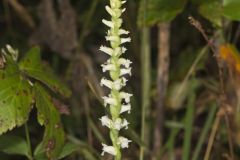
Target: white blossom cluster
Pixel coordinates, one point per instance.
(11, 51)
(117, 100)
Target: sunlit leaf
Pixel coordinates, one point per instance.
(231, 56)
(15, 97)
(32, 66)
(231, 9)
(159, 11)
(48, 116)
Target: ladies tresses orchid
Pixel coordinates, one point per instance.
(118, 101)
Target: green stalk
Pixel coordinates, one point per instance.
(188, 127)
(146, 84)
(146, 81)
(87, 22)
(114, 137)
(30, 157)
(117, 67)
(171, 144)
(206, 128)
(115, 110)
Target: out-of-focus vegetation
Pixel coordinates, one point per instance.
(185, 80)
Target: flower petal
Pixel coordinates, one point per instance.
(122, 31)
(125, 40)
(108, 23)
(109, 10)
(125, 108)
(106, 50)
(124, 62)
(124, 71)
(106, 83)
(125, 124)
(108, 149)
(106, 121)
(123, 142)
(109, 100)
(108, 67)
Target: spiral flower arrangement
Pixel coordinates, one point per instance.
(118, 101)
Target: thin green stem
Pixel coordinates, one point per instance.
(87, 22)
(188, 127)
(84, 146)
(30, 155)
(114, 137)
(212, 137)
(145, 62)
(206, 128)
(145, 87)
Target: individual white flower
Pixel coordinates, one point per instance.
(125, 124)
(125, 40)
(125, 108)
(108, 149)
(106, 83)
(126, 96)
(13, 52)
(123, 142)
(123, 10)
(123, 2)
(124, 49)
(124, 81)
(108, 67)
(117, 84)
(125, 62)
(106, 121)
(122, 31)
(106, 50)
(124, 71)
(110, 11)
(108, 23)
(10, 49)
(109, 100)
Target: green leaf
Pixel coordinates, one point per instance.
(15, 97)
(88, 155)
(212, 11)
(231, 9)
(48, 116)
(39, 152)
(13, 145)
(159, 11)
(32, 66)
(68, 149)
